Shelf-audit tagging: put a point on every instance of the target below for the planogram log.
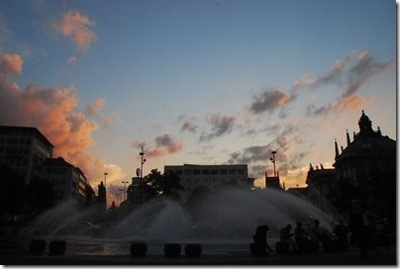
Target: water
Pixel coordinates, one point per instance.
(223, 221)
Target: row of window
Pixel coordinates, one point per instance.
(205, 180)
(15, 161)
(231, 171)
(15, 140)
(15, 131)
(15, 151)
(58, 181)
(57, 170)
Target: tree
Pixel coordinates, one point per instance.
(172, 186)
(163, 185)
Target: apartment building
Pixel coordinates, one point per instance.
(24, 149)
(194, 176)
(67, 180)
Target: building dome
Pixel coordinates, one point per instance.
(365, 124)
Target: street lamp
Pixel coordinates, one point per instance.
(142, 161)
(105, 180)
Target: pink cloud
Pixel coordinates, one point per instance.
(10, 63)
(54, 111)
(94, 107)
(76, 26)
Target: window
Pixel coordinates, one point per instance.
(232, 171)
(223, 171)
(205, 172)
(241, 171)
(196, 172)
(214, 171)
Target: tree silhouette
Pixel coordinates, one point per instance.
(162, 185)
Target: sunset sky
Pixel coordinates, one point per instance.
(199, 82)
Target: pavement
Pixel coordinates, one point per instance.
(351, 257)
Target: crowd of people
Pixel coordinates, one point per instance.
(361, 232)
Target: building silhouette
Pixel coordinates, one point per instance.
(102, 196)
(24, 149)
(90, 196)
(363, 178)
(366, 172)
(27, 151)
(209, 177)
(272, 182)
(137, 192)
(320, 182)
(68, 181)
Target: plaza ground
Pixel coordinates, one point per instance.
(385, 257)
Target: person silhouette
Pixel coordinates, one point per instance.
(286, 236)
(260, 237)
(300, 236)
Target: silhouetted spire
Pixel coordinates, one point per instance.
(348, 137)
(311, 168)
(336, 149)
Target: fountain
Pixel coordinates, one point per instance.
(226, 217)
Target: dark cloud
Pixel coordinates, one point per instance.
(190, 125)
(261, 153)
(221, 125)
(269, 130)
(363, 71)
(166, 144)
(269, 100)
(355, 76)
(258, 156)
(335, 74)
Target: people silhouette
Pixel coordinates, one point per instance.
(260, 237)
(300, 236)
(286, 237)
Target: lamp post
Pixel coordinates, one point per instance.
(105, 180)
(273, 160)
(142, 161)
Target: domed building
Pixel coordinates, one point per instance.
(366, 173)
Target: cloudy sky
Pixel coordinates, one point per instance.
(202, 82)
